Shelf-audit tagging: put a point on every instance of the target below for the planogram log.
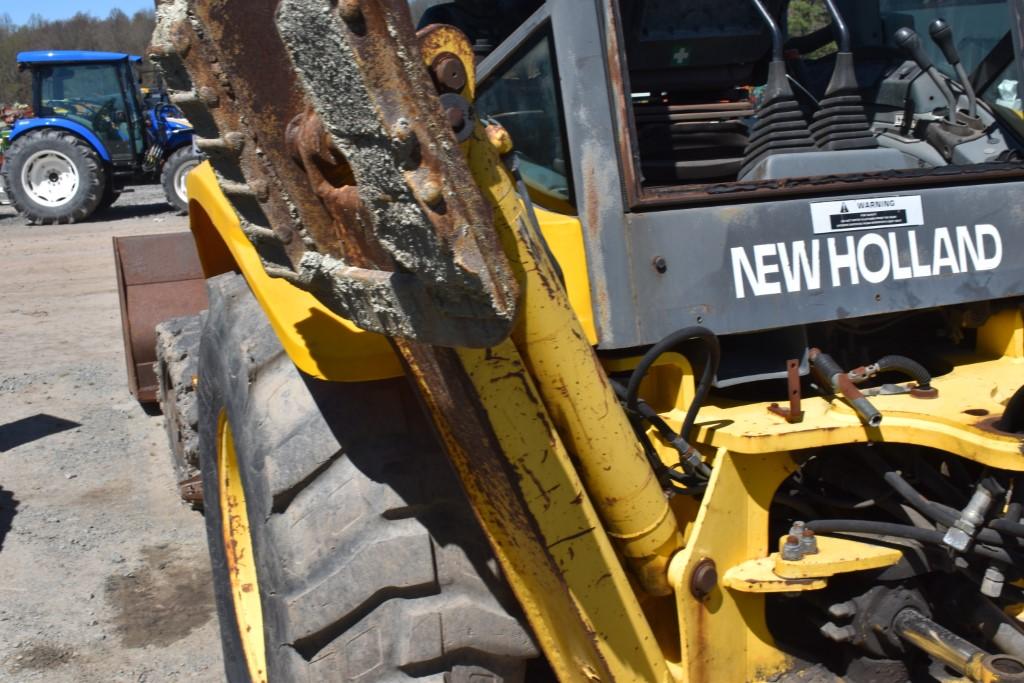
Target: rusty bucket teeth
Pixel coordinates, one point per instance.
(393, 233)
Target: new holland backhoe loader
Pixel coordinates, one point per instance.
(609, 340)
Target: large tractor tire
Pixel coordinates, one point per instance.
(54, 177)
(175, 171)
(336, 527)
(177, 363)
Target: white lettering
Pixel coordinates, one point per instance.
(741, 267)
(839, 261)
(965, 245)
(797, 266)
(919, 269)
(985, 261)
(801, 267)
(873, 239)
(942, 254)
(756, 274)
(898, 272)
(761, 252)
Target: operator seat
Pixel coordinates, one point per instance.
(692, 67)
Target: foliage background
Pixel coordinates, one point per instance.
(118, 32)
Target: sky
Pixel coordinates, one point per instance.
(20, 11)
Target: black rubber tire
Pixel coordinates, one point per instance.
(177, 362)
(370, 564)
(92, 183)
(179, 158)
(110, 196)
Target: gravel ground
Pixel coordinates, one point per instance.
(103, 572)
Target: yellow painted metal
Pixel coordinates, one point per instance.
(971, 398)
(564, 235)
(576, 392)
(319, 342)
(758, 576)
(1002, 335)
(835, 556)
(573, 534)
(242, 577)
(724, 637)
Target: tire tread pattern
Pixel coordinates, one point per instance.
(370, 562)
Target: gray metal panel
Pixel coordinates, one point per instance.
(579, 29)
(509, 46)
(699, 285)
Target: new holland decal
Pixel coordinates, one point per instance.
(852, 255)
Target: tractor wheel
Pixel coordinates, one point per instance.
(177, 361)
(54, 177)
(176, 169)
(343, 548)
(110, 196)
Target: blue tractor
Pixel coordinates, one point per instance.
(92, 135)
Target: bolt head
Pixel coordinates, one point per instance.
(704, 578)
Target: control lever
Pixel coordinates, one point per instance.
(942, 33)
(780, 127)
(840, 121)
(909, 42)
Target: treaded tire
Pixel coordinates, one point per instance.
(92, 176)
(179, 161)
(110, 196)
(177, 362)
(370, 564)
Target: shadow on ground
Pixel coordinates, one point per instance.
(28, 429)
(8, 508)
(116, 213)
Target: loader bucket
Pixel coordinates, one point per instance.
(158, 278)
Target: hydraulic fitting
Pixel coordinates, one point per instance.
(839, 382)
(962, 533)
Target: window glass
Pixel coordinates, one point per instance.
(978, 25)
(523, 97)
(89, 94)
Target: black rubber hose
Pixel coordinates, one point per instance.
(1007, 527)
(1012, 420)
(937, 512)
(907, 366)
(672, 343)
(859, 526)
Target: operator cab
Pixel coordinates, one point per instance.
(96, 90)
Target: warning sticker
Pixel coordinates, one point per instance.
(868, 213)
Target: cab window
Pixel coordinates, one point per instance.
(523, 96)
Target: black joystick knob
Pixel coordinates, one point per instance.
(909, 42)
(942, 34)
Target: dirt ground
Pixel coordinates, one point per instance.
(103, 572)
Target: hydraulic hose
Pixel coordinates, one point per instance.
(662, 470)
(688, 457)
(672, 343)
(1013, 417)
(941, 514)
(832, 375)
(906, 366)
(913, 533)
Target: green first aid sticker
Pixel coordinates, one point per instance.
(680, 56)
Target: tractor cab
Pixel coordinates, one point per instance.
(97, 92)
